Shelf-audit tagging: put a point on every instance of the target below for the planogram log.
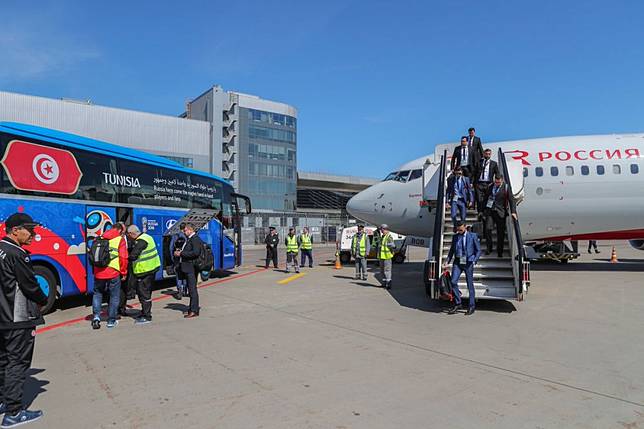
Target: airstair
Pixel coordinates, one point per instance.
(507, 277)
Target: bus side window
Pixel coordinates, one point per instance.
(600, 170)
(635, 169)
(585, 171)
(538, 171)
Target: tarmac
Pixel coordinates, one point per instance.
(321, 350)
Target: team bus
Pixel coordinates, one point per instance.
(77, 188)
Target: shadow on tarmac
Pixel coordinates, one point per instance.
(624, 265)
(33, 387)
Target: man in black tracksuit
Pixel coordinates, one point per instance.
(20, 303)
(271, 241)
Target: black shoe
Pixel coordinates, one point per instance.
(178, 295)
(311, 266)
(96, 324)
(469, 311)
(597, 251)
(454, 309)
(388, 286)
(589, 251)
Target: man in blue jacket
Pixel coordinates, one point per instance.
(460, 195)
(466, 251)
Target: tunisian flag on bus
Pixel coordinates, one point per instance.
(33, 167)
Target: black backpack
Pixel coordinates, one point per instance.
(205, 261)
(99, 253)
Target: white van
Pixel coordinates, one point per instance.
(400, 252)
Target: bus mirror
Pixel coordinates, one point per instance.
(246, 199)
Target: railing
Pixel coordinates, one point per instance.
(439, 224)
(520, 263)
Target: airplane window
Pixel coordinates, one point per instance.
(525, 172)
(635, 169)
(585, 170)
(402, 176)
(570, 170)
(391, 176)
(600, 169)
(538, 171)
(617, 169)
(415, 174)
(554, 171)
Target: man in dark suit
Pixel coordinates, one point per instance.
(463, 157)
(475, 144)
(188, 259)
(498, 204)
(485, 173)
(459, 195)
(466, 251)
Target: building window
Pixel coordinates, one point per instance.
(617, 169)
(271, 134)
(635, 169)
(271, 118)
(538, 171)
(570, 170)
(554, 171)
(185, 162)
(585, 171)
(600, 170)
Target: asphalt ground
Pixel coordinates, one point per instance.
(321, 350)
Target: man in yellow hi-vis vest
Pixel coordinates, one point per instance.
(292, 249)
(306, 246)
(386, 248)
(145, 261)
(360, 248)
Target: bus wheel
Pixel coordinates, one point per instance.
(47, 281)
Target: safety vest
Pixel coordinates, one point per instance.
(385, 251)
(306, 242)
(148, 260)
(363, 245)
(291, 244)
(115, 262)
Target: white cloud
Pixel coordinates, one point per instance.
(28, 55)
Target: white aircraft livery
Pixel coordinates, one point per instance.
(572, 188)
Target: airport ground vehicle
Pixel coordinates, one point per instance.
(79, 187)
(344, 244)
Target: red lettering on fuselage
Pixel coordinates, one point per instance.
(544, 155)
(519, 155)
(562, 155)
(592, 154)
(632, 153)
(616, 154)
(578, 155)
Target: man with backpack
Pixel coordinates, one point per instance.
(189, 257)
(499, 203)
(145, 261)
(109, 257)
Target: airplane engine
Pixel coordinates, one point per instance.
(637, 244)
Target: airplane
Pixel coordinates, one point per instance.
(572, 188)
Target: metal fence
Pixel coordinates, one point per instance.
(324, 228)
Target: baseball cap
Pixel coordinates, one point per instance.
(19, 219)
(384, 226)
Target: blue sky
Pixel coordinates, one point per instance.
(376, 83)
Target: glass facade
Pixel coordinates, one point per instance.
(186, 162)
(268, 159)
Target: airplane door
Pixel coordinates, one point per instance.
(98, 219)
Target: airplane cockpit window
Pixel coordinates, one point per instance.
(390, 176)
(538, 171)
(635, 169)
(402, 176)
(554, 171)
(585, 171)
(600, 170)
(570, 170)
(415, 174)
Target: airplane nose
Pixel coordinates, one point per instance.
(358, 205)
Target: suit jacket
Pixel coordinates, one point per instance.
(477, 148)
(467, 193)
(191, 251)
(503, 201)
(456, 158)
(493, 170)
(472, 247)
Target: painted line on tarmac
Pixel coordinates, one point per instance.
(158, 298)
(290, 279)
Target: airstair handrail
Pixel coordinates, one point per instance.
(439, 221)
(515, 230)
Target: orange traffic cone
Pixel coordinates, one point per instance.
(338, 264)
(613, 256)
